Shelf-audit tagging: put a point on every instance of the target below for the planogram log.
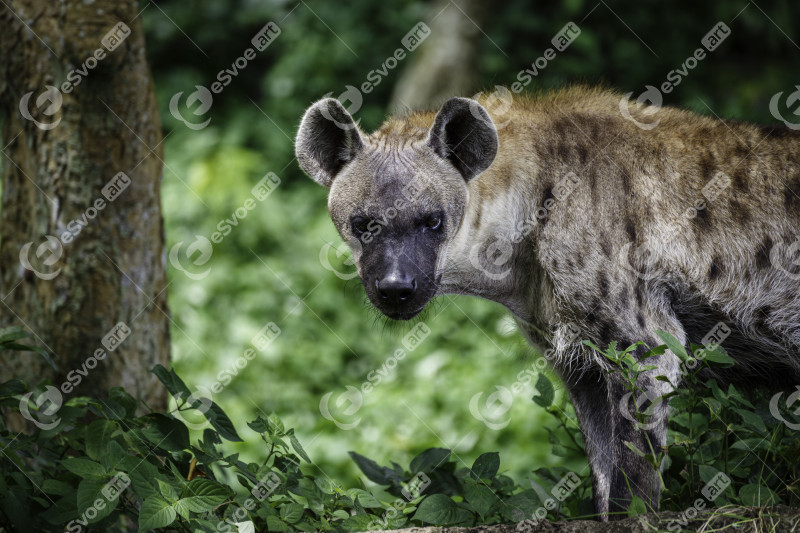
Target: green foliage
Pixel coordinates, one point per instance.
(103, 465)
(108, 468)
(722, 446)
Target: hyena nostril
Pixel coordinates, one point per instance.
(395, 289)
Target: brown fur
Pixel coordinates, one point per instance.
(584, 220)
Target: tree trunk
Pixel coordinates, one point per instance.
(81, 175)
(446, 63)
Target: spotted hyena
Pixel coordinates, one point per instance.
(585, 226)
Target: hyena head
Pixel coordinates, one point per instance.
(398, 196)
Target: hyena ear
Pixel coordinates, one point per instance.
(327, 139)
(464, 134)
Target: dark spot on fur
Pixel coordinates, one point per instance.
(630, 229)
(581, 261)
(740, 213)
(707, 167)
(570, 264)
(555, 263)
(640, 320)
(791, 194)
(602, 283)
(546, 195)
(713, 269)
(762, 254)
(740, 178)
(605, 244)
(624, 296)
(582, 153)
(777, 131)
(639, 294)
(626, 183)
(562, 151)
(702, 222)
(605, 333)
(476, 223)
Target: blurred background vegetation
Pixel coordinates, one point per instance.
(268, 269)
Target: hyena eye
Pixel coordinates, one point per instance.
(433, 222)
(360, 225)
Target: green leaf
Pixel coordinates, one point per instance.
(429, 459)
(362, 522)
(201, 495)
(375, 473)
(545, 389)
(259, 425)
(674, 345)
(143, 478)
(98, 435)
(220, 421)
(11, 387)
(365, 499)
(128, 402)
(59, 488)
(519, 506)
(292, 512)
(166, 432)
(707, 473)
(753, 420)
(486, 465)
(276, 524)
(13, 333)
(90, 493)
(440, 510)
(637, 506)
(298, 447)
(757, 495)
(480, 498)
(167, 490)
(155, 513)
(85, 468)
(172, 382)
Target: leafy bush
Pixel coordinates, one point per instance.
(98, 464)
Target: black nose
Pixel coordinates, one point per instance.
(396, 289)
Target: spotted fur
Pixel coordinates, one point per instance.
(585, 226)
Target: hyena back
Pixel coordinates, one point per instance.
(588, 217)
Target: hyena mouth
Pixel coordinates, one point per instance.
(402, 315)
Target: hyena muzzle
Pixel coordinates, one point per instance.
(585, 225)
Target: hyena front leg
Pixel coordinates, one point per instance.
(589, 395)
(639, 418)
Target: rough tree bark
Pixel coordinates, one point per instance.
(99, 118)
(446, 63)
